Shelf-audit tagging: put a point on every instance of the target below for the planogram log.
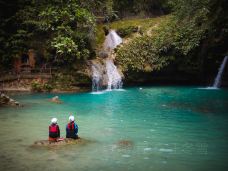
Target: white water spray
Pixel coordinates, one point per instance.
(109, 74)
(112, 40)
(218, 78)
(114, 78)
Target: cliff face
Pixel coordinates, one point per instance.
(172, 76)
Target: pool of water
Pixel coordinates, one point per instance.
(149, 128)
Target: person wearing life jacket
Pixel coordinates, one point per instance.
(71, 128)
(54, 132)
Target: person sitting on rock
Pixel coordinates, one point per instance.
(54, 132)
(71, 128)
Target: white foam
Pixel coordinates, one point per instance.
(113, 147)
(126, 155)
(97, 92)
(147, 149)
(209, 88)
(165, 150)
(121, 89)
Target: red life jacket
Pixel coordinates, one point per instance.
(70, 126)
(53, 128)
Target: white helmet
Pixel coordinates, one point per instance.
(54, 120)
(71, 118)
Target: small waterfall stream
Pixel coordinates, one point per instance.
(114, 78)
(218, 78)
(107, 76)
(112, 40)
(96, 77)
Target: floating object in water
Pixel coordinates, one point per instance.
(140, 88)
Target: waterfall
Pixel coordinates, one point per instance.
(218, 78)
(114, 78)
(96, 77)
(111, 41)
(106, 73)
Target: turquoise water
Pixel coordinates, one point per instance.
(165, 128)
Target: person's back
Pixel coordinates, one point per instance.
(71, 129)
(54, 131)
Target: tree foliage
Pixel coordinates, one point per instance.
(179, 39)
(60, 28)
(141, 7)
(63, 30)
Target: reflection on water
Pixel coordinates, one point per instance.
(152, 128)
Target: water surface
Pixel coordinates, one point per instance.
(153, 128)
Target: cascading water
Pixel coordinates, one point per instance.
(111, 41)
(114, 78)
(108, 75)
(218, 78)
(96, 77)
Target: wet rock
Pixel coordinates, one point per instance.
(65, 141)
(103, 54)
(125, 143)
(56, 100)
(6, 100)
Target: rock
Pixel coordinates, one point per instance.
(65, 141)
(56, 100)
(125, 144)
(103, 54)
(6, 100)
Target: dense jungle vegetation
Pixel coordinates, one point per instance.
(190, 35)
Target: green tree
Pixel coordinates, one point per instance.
(61, 29)
(192, 31)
